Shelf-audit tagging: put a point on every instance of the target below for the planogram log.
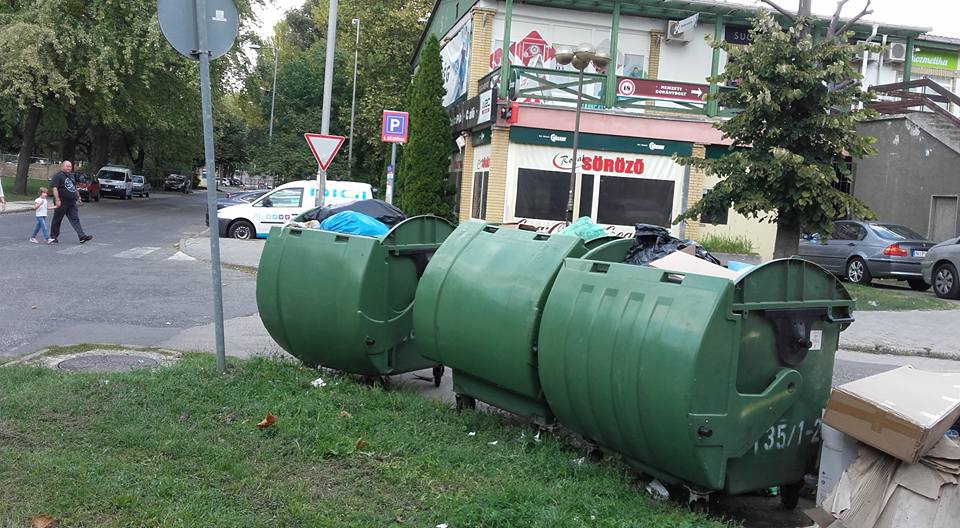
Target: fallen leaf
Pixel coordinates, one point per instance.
(42, 521)
(230, 418)
(345, 414)
(184, 416)
(399, 519)
(362, 444)
(267, 421)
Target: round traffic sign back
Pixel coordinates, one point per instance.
(178, 22)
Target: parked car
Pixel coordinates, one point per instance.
(236, 197)
(116, 180)
(89, 187)
(178, 182)
(940, 268)
(141, 187)
(863, 251)
(279, 206)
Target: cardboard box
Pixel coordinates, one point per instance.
(686, 263)
(903, 412)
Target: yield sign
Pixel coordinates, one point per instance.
(324, 148)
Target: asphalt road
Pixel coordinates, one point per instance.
(130, 285)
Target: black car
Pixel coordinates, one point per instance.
(178, 183)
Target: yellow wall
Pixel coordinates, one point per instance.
(762, 234)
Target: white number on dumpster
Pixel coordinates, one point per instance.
(784, 435)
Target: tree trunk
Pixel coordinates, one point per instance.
(99, 148)
(788, 241)
(68, 145)
(138, 160)
(30, 123)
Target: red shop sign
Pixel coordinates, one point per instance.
(612, 165)
(667, 90)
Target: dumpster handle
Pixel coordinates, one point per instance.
(842, 320)
(296, 232)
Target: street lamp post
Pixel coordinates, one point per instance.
(273, 93)
(583, 56)
(353, 102)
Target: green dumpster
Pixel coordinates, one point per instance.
(478, 311)
(346, 301)
(701, 381)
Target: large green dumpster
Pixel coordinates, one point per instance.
(478, 311)
(346, 301)
(703, 381)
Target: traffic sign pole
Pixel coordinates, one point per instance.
(206, 106)
(391, 174)
(327, 91)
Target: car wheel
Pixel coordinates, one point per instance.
(858, 272)
(918, 284)
(946, 282)
(242, 230)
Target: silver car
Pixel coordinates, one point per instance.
(940, 268)
(141, 187)
(863, 251)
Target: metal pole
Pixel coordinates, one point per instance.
(576, 140)
(273, 95)
(327, 91)
(353, 101)
(206, 105)
(505, 51)
(391, 176)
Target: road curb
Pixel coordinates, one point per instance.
(890, 350)
(204, 256)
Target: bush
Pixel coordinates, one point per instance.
(715, 243)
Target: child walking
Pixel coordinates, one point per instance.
(40, 206)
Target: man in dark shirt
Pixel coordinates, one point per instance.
(66, 198)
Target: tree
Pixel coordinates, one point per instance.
(422, 185)
(799, 103)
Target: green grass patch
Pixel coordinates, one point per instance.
(719, 243)
(887, 296)
(32, 187)
(179, 446)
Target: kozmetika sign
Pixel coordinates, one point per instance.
(936, 59)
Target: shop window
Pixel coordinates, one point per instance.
(628, 201)
(586, 195)
(634, 66)
(542, 194)
(714, 217)
(480, 180)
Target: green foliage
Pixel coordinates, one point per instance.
(798, 112)
(179, 446)
(422, 185)
(720, 243)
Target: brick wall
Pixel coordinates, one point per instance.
(480, 48)
(497, 186)
(691, 229)
(653, 68)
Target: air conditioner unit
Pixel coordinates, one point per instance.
(871, 56)
(672, 34)
(897, 52)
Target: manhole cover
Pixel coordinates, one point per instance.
(107, 363)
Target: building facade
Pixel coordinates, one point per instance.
(513, 106)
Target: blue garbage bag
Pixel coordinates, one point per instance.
(354, 223)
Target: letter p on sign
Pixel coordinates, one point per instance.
(395, 126)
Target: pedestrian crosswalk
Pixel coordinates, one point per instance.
(101, 248)
(135, 253)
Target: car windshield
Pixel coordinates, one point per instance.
(895, 232)
(111, 175)
(138, 179)
(175, 177)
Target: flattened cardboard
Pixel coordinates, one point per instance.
(685, 263)
(903, 412)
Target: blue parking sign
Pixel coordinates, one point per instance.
(395, 126)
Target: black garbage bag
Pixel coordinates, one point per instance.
(654, 242)
(378, 209)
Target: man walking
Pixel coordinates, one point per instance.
(66, 198)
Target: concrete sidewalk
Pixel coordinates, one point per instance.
(19, 207)
(913, 333)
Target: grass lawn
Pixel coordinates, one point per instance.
(179, 446)
(890, 296)
(32, 186)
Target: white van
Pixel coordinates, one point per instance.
(116, 180)
(279, 206)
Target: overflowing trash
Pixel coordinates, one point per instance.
(382, 211)
(654, 242)
(584, 228)
(354, 223)
(889, 457)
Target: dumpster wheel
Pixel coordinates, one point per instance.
(438, 375)
(790, 495)
(465, 402)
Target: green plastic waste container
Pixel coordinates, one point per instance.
(702, 381)
(346, 301)
(478, 311)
